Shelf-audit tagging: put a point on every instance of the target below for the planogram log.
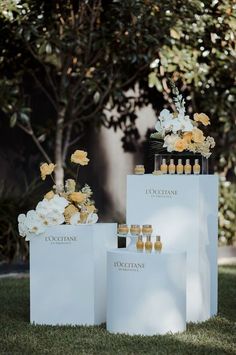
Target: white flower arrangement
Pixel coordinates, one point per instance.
(179, 132)
(61, 204)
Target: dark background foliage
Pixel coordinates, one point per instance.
(88, 63)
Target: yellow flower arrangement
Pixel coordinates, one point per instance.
(180, 145)
(80, 157)
(77, 197)
(201, 117)
(79, 200)
(49, 195)
(46, 169)
(198, 136)
(187, 136)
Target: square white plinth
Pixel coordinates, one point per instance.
(68, 274)
(146, 293)
(183, 210)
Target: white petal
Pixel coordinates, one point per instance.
(92, 218)
(75, 219)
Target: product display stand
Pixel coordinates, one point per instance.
(68, 274)
(146, 293)
(184, 211)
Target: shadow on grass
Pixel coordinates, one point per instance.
(215, 336)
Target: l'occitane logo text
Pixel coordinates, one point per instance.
(60, 240)
(126, 266)
(161, 193)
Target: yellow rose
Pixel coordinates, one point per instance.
(201, 117)
(198, 136)
(49, 195)
(70, 210)
(80, 157)
(180, 145)
(90, 209)
(187, 136)
(46, 169)
(78, 197)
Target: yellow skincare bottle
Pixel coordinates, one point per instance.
(171, 167)
(180, 167)
(147, 229)
(163, 166)
(140, 244)
(139, 170)
(187, 167)
(158, 244)
(148, 244)
(123, 229)
(196, 167)
(135, 229)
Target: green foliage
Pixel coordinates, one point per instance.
(227, 212)
(13, 202)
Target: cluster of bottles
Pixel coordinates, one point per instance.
(141, 233)
(180, 169)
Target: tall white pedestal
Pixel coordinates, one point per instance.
(146, 293)
(68, 274)
(183, 210)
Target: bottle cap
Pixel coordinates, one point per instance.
(158, 238)
(179, 161)
(164, 161)
(171, 161)
(187, 161)
(196, 161)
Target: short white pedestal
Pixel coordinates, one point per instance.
(68, 274)
(146, 293)
(183, 210)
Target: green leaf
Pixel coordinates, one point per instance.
(13, 119)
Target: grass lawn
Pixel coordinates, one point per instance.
(17, 336)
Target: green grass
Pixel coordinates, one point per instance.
(17, 336)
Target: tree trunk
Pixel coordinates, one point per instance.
(59, 170)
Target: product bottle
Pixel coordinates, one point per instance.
(123, 229)
(196, 167)
(180, 167)
(187, 167)
(135, 229)
(148, 244)
(163, 166)
(147, 229)
(140, 244)
(158, 244)
(139, 170)
(171, 167)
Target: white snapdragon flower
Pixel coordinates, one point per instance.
(92, 218)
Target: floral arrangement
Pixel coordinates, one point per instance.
(181, 133)
(63, 204)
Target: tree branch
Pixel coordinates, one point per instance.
(44, 90)
(30, 132)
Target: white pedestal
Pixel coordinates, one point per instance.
(183, 210)
(146, 293)
(68, 274)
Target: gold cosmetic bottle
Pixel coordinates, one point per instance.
(140, 244)
(187, 167)
(139, 170)
(148, 244)
(180, 167)
(158, 244)
(135, 229)
(196, 167)
(123, 229)
(163, 166)
(171, 167)
(147, 229)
